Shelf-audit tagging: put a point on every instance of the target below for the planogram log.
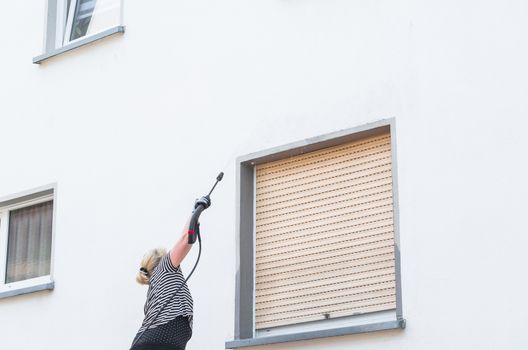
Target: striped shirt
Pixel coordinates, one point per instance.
(165, 280)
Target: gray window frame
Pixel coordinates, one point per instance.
(244, 300)
(51, 31)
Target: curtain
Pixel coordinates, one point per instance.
(29, 242)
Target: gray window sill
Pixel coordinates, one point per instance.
(373, 327)
(26, 290)
(79, 43)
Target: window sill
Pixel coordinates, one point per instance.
(78, 43)
(37, 287)
(372, 327)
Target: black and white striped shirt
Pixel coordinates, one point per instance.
(165, 279)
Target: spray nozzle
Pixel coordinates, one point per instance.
(199, 206)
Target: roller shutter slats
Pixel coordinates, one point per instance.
(345, 161)
(335, 259)
(345, 268)
(384, 278)
(324, 234)
(368, 201)
(331, 244)
(311, 157)
(339, 310)
(323, 199)
(330, 306)
(357, 219)
(313, 242)
(332, 189)
(346, 226)
(296, 303)
(325, 253)
(354, 172)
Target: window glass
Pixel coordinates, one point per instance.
(93, 16)
(29, 242)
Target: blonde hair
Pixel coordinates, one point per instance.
(150, 260)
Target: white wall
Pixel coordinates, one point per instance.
(133, 128)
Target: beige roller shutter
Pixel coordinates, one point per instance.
(325, 235)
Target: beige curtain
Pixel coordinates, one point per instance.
(29, 242)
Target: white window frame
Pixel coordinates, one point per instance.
(20, 201)
(60, 23)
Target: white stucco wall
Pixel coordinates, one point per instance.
(135, 127)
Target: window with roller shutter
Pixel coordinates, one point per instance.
(325, 234)
(322, 235)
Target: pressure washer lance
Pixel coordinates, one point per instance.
(199, 206)
(194, 232)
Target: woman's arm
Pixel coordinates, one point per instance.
(181, 248)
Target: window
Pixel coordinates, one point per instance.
(88, 17)
(26, 231)
(73, 23)
(317, 239)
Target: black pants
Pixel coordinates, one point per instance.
(169, 336)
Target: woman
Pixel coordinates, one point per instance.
(172, 328)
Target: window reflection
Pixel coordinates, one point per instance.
(92, 16)
(82, 18)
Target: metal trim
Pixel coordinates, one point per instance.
(244, 292)
(28, 195)
(373, 327)
(88, 40)
(396, 221)
(238, 279)
(245, 253)
(316, 143)
(254, 250)
(26, 290)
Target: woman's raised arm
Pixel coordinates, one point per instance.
(181, 248)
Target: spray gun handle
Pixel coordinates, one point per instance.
(194, 225)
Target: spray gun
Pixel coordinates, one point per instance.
(199, 206)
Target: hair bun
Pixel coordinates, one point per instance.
(149, 262)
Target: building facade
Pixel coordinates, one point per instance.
(374, 157)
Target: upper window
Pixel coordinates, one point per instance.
(26, 227)
(73, 23)
(318, 245)
(88, 17)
